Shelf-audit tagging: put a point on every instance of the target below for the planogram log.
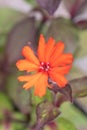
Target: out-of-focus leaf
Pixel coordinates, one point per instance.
(82, 24)
(8, 18)
(19, 96)
(73, 114)
(79, 87)
(75, 73)
(78, 10)
(49, 5)
(36, 100)
(53, 126)
(33, 2)
(81, 103)
(2, 78)
(64, 124)
(81, 17)
(46, 112)
(82, 51)
(15, 123)
(62, 29)
(5, 104)
(67, 91)
(73, 6)
(22, 33)
(18, 118)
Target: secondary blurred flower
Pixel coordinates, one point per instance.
(51, 63)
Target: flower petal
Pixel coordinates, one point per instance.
(41, 48)
(40, 87)
(58, 78)
(31, 80)
(58, 50)
(28, 78)
(26, 65)
(64, 59)
(49, 49)
(29, 55)
(62, 70)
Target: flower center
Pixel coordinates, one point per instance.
(44, 67)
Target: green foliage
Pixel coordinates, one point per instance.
(82, 51)
(36, 100)
(25, 30)
(65, 30)
(72, 114)
(5, 105)
(64, 124)
(8, 18)
(33, 2)
(14, 125)
(19, 96)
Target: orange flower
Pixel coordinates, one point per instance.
(51, 63)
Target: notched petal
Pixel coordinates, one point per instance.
(41, 48)
(29, 55)
(26, 65)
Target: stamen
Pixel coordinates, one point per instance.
(44, 66)
(42, 63)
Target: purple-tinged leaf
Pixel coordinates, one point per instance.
(76, 88)
(21, 34)
(81, 18)
(53, 126)
(7, 121)
(46, 112)
(60, 100)
(66, 91)
(82, 24)
(73, 6)
(83, 7)
(49, 5)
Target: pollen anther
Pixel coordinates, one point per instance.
(44, 67)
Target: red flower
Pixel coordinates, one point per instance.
(50, 63)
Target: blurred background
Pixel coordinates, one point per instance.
(22, 21)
